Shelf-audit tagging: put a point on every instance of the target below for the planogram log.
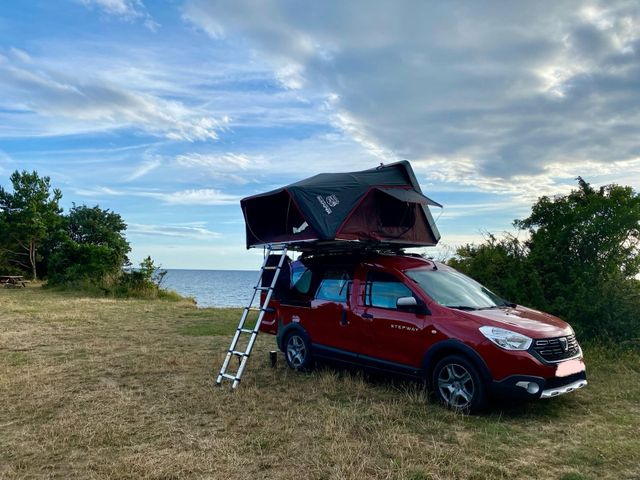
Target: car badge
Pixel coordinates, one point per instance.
(564, 344)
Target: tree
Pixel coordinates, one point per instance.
(29, 215)
(589, 231)
(151, 273)
(580, 261)
(93, 247)
(585, 246)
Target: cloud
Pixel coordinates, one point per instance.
(202, 196)
(5, 161)
(128, 10)
(459, 210)
(172, 230)
(222, 162)
(20, 55)
(122, 8)
(74, 103)
(145, 167)
(507, 89)
(103, 192)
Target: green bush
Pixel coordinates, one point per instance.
(144, 282)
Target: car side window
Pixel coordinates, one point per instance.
(301, 279)
(334, 286)
(382, 290)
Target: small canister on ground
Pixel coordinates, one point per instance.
(273, 356)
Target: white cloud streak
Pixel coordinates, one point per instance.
(145, 167)
(222, 162)
(127, 10)
(74, 104)
(202, 196)
(172, 230)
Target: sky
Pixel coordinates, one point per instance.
(170, 111)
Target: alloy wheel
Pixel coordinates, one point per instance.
(456, 387)
(296, 351)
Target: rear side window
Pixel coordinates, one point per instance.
(383, 290)
(301, 278)
(334, 286)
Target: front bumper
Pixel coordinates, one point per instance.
(527, 386)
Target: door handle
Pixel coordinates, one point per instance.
(367, 316)
(343, 318)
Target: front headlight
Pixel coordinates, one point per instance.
(506, 338)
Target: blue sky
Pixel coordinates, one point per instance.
(169, 112)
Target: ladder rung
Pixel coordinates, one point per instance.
(238, 353)
(260, 309)
(262, 288)
(229, 376)
(270, 267)
(245, 330)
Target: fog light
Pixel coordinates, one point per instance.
(530, 387)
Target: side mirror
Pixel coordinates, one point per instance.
(405, 302)
(410, 304)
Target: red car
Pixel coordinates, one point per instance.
(414, 317)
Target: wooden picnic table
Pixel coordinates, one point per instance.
(13, 281)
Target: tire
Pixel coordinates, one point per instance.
(297, 351)
(458, 385)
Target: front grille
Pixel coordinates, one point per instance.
(552, 349)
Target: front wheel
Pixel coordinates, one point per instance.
(457, 383)
(297, 351)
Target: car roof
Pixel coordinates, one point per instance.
(391, 261)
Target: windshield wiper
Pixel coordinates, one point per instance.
(461, 307)
(502, 305)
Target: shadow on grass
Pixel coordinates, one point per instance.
(498, 408)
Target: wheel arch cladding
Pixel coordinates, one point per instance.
(444, 348)
(287, 330)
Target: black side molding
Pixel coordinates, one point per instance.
(346, 357)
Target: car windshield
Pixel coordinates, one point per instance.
(455, 290)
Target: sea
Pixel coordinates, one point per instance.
(213, 288)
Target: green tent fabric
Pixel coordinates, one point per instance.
(323, 207)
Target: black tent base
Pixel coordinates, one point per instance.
(344, 246)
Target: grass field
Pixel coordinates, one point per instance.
(99, 388)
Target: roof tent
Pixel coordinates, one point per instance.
(381, 207)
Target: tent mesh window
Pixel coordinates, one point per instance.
(274, 218)
(394, 214)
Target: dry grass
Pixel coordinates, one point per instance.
(96, 388)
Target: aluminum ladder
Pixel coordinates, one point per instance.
(262, 309)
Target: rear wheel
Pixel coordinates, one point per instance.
(457, 383)
(297, 351)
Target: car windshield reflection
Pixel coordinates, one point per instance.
(454, 290)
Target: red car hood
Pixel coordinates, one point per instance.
(527, 321)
